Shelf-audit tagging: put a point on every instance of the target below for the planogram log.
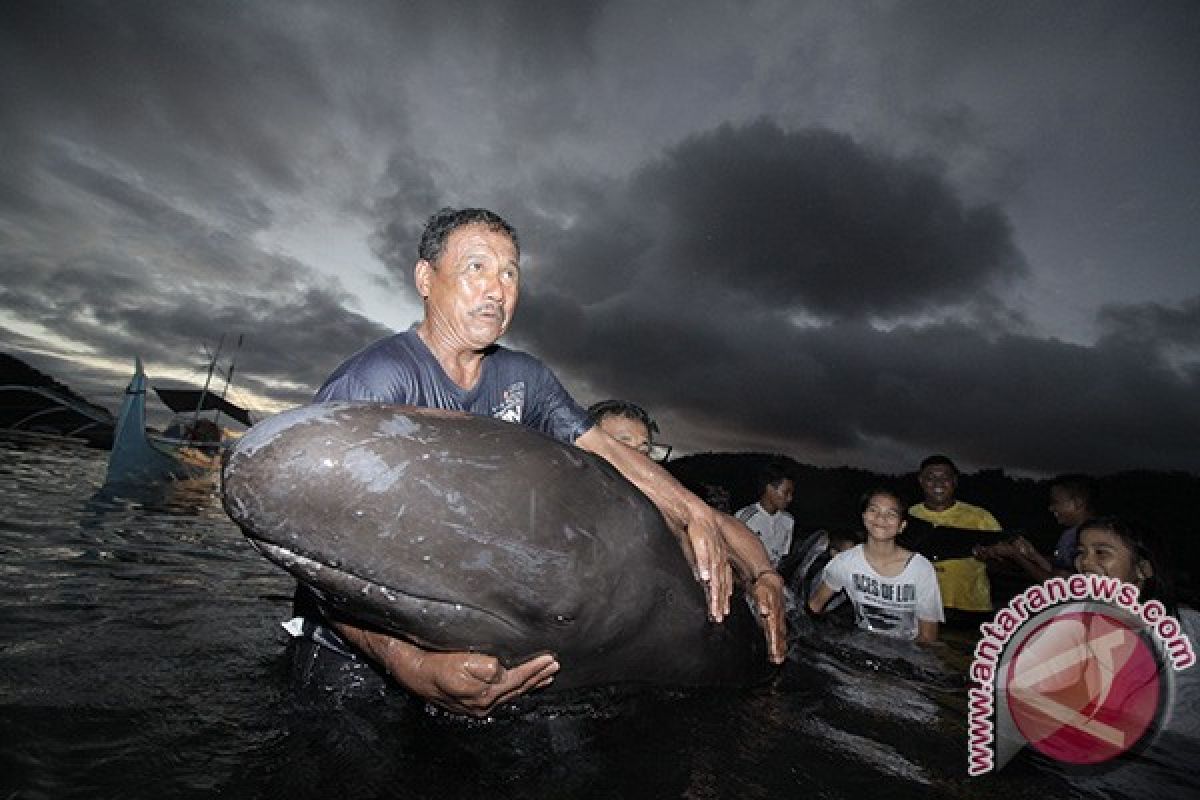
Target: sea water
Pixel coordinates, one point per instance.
(141, 655)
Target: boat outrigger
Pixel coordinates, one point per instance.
(189, 448)
(35, 407)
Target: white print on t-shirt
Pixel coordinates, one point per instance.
(887, 605)
(513, 400)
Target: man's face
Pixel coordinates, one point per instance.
(471, 292)
(1065, 507)
(779, 496)
(938, 483)
(629, 432)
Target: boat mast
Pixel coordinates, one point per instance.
(212, 364)
(232, 360)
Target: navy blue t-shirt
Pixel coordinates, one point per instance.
(513, 386)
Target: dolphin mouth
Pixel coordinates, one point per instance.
(305, 569)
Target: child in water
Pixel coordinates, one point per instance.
(1108, 546)
(894, 591)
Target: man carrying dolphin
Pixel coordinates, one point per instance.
(468, 276)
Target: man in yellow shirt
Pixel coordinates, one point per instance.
(963, 581)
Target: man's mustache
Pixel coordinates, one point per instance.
(490, 309)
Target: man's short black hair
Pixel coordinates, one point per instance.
(772, 474)
(446, 220)
(1080, 487)
(621, 408)
(938, 460)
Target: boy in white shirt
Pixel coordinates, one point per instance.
(768, 518)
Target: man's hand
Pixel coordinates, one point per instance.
(465, 683)
(708, 553)
(474, 683)
(767, 592)
(994, 552)
(1021, 552)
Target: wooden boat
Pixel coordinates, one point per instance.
(189, 448)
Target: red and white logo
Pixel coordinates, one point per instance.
(1084, 687)
(1078, 668)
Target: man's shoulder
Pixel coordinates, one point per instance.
(371, 372)
(921, 511)
(976, 515)
(391, 349)
(960, 515)
(746, 513)
(508, 358)
(1068, 536)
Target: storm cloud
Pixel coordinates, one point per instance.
(854, 234)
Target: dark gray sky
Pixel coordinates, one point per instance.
(855, 233)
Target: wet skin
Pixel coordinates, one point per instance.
(464, 533)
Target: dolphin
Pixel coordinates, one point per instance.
(461, 532)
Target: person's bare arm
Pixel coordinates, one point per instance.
(764, 584)
(927, 631)
(1033, 562)
(820, 598)
(685, 513)
(1022, 553)
(465, 683)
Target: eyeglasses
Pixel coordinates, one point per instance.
(659, 452)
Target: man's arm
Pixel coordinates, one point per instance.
(764, 584)
(927, 631)
(820, 598)
(465, 683)
(697, 525)
(1033, 562)
(1024, 555)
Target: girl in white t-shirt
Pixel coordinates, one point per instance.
(894, 591)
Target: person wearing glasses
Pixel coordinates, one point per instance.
(630, 425)
(894, 590)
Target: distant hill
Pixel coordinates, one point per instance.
(828, 497)
(20, 409)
